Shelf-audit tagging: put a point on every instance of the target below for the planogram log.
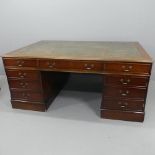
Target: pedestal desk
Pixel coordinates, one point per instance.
(37, 73)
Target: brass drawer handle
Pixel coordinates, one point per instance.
(24, 84)
(123, 105)
(124, 93)
(125, 82)
(51, 64)
(89, 66)
(127, 68)
(22, 75)
(20, 63)
(26, 95)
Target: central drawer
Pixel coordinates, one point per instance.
(121, 92)
(54, 64)
(87, 66)
(71, 65)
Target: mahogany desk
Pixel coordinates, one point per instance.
(37, 73)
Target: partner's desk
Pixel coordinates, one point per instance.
(37, 73)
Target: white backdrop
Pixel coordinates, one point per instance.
(25, 21)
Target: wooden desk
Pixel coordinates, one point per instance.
(37, 73)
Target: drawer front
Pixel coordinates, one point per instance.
(54, 64)
(121, 80)
(122, 115)
(26, 95)
(123, 105)
(20, 62)
(28, 105)
(87, 66)
(121, 92)
(127, 68)
(24, 84)
(23, 74)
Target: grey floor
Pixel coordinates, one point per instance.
(72, 126)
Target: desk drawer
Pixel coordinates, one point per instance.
(87, 66)
(54, 64)
(122, 92)
(26, 95)
(122, 115)
(127, 68)
(74, 65)
(20, 62)
(125, 80)
(25, 84)
(22, 74)
(28, 105)
(123, 105)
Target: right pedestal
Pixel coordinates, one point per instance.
(124, 97)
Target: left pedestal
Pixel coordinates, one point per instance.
(31, 89)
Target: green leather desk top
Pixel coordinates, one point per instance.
(82, 50)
